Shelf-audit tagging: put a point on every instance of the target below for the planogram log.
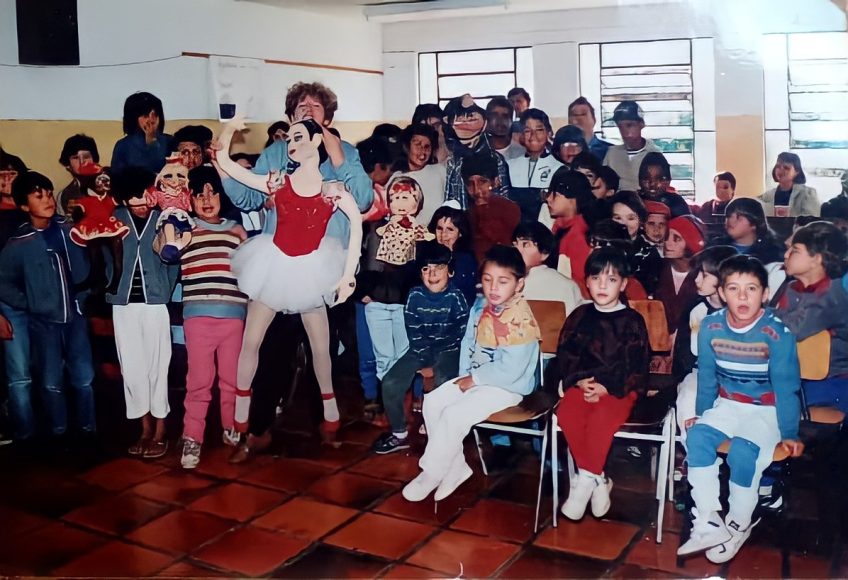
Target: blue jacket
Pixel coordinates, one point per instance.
(159, 278)
(134, 151)
(36, 279)
(276, 158)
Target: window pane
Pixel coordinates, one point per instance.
(675, 81)
(476, 61)
(818, 45)
(427, 78)
(819, 134)
(476, 85)
(645, 53)
(818, 102)
(830, 73)
(524, 69)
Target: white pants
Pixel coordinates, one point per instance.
(687, 393)
(143, 339)
(449, 414)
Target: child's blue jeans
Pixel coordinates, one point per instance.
(832, 391)
(365, 349)
(388, 334)
(17, 356)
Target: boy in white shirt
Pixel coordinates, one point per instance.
(536, 244)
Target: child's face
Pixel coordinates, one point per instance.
(654, 182)
(622, 214)
(207, 204)
(675, 245)
(744, 296)
(436, 277)
(138, 207)
(40, 204)
(500, 284)
(798, 261)
(480, 189)
(738, 227)
(402, 200)
(191, 154)
(785, 172)
(535, 136)
(656, 227)
(530, 252)
(605, 288)
(420, 150)
(447, 233)
(568, 151)
(631, 133)
(706, 283)
(600, 189)
(560, 206)
(79, 159)
(381, 174)
(724, 191)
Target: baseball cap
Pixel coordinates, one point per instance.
(628, 111)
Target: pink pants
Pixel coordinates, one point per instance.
(207, 337)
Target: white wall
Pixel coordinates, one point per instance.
(115, 32)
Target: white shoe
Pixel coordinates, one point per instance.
(579, 496)
(190, 454)
(726, 551)
(419, 488)
(231, 437)
(707, 532)
(601, 497)
(452, 481)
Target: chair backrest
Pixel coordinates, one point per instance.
(814, 356)
(550, 316)
(653, 312)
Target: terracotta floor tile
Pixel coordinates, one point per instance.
(181, 531)
(673, 520)
(380, 535)
(305, 518)
(251, 551)
(118, 515)
(808, 567)
(402, 571)
(351, 490)
(425, 511)
(635, 572)
(452, 552)
(501, 519)
(646, 553)
(53, 498)
(187, 569)
(599, 539)
(116, 559)
(326, 562)
(215, 462)
(235, 501)
(286, 474)
(360, 432)
(398, 466)
(539, 563)
(177, 487)
(122, 473)
(754, 561)
(17, 522)
(631, 507)
(43, 549)
(522, 488)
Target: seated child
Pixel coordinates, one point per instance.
(816, 300)
(676, 286)
(493, 217)
(536, 244)
(655, 184)
(499, 356)
(435, 316)
(601, 366)
(656, 224)
(748, 381)
(40, 273)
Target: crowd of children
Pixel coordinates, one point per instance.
(465, 215)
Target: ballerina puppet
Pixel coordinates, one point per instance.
(298, 268)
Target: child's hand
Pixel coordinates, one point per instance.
(6, 330)
(593, 392)
(792, 446)
(366, 299)
(583, 384)
(465, 383)
(688, 423)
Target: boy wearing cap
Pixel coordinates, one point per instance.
(627, 157)
(656, 224)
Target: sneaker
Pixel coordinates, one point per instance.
(579, 496)
(452, 481)
(770, 497)
(419, 488)
(601, 497)
(231, 437)
(726, 551)
(706, 533)
(389, 443)
(191, 453)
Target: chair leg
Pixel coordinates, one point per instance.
(480, 452)
(662, 471)
(554, 469)
(672, 453)
(654, 464)
(541, 476)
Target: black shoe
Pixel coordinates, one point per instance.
(389, 443)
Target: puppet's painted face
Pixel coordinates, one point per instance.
(468, 125)
(403, 199)
(173, 179)
(191, 154)
(301, 145)
(103, 184)
(7, 176)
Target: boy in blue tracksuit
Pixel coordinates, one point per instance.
(40, 270)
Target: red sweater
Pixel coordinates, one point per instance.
(574, 245)
(493, 224)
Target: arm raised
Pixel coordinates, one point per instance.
(230, 167)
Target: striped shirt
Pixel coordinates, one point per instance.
(209, 286)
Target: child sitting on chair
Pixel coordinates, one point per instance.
(499, 356)
(602, 361)
(748, 381)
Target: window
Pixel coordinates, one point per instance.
(672, 80)
(482, 73)
(806, 104)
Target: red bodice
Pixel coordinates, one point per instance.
(301, 221)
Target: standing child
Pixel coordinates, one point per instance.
(602, 363)
(792, 197)
(435, 316)
(140, 314)
(748, 381)
(213, 310)
(40, 270)
(497, 366)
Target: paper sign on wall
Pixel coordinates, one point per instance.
(236, 84)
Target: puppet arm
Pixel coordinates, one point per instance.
(347, 205)
(230, 167)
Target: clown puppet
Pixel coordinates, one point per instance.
(171, 194)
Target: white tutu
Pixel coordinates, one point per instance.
(284, 283)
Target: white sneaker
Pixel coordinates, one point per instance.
(191, 453)
(578, 496)
(419, 488)
(707, 532)
(601, 497)
(726, 551)
(453, 481)
(231, 437)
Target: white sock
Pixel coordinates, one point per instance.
(331, 409)
(401, 435)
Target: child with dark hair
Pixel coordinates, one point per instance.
(600, 368)
(499, 128)
(78, 151)
(191, 143)
(531, 173)
(816, 300)
(792, 197)
(420, 143)
(145, 143)
(676, 286)
(655, 184)
(608, 232)
(435, 316)
(582, 114)
(568, 143)
(431, 114)
(452, 230)
(277, 131)
(536, 244)
(628, 209)
(725, 189)
(493, 217)
(497, 366)
(606, 182)
(11, 166)
(748, 381)
(748, 231)
(40, 269)
(377, 161)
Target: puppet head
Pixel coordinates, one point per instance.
(465, 118)
(405, 196)
(173, 179)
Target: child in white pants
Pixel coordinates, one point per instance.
(498, 359)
